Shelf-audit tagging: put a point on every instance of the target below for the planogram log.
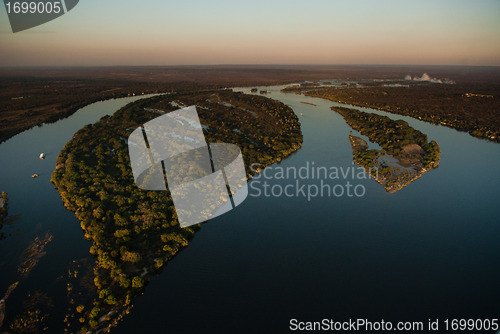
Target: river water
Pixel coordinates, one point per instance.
(429, 251)
(35, 208)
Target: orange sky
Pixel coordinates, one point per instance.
(156, 32)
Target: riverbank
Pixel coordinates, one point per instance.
(220, 276)
(468, 107)
(406, 153)
(386, 169)
(31, 97)
(135, 233)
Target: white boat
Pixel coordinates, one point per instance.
(42, 156)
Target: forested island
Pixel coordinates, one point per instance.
(406, 153)
(469, 107)
(134, 232)
(33, 96)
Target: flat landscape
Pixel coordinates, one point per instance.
(32, 96)
(249, 167)
(385, 120)
(468, 104)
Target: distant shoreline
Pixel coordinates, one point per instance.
(51, 93)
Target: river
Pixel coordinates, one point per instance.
(429, 251)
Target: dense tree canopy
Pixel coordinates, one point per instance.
(135, 232)
(406, 153)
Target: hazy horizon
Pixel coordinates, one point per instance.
(242, 65)
(224, 33)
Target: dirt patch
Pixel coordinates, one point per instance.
(413, 149)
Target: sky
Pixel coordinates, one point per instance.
(189, 32)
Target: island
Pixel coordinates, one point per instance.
(464, 106)
(135, 232)
(309, 103)
(406, 153)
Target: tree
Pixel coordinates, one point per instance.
(131, 257)
(137, 282)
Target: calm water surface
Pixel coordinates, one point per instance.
(36, 208)
(428, 251)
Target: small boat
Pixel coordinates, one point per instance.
(42, 156)
(301, 114)
(34, 175)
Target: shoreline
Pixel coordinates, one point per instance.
(391, 111)
(154, 221)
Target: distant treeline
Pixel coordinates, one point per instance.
(447, 105)
(27, 102)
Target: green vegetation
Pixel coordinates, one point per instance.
(49, 100)
(466, 107)
(136, 232)
(392, 136)
(406, 153)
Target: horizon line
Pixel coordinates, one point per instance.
(240, 64)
